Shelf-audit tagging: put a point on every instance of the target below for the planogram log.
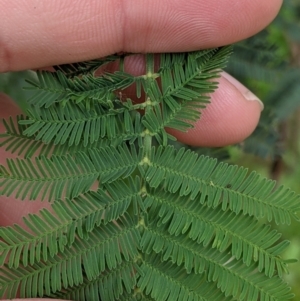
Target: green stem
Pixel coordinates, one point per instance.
(149, 78)
(147, 146)
(150, 64)
(147, 137)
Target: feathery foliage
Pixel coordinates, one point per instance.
(131, 217)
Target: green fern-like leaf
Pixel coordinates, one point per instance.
(17, 142)
(65, 176)
(77, 126)
(202, 178)
(77, 217)
(248, 239)
(65, 270)
(58, 88)
(130, 217)
(183, 92)
(85, 68)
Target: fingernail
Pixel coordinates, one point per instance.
(246, 93)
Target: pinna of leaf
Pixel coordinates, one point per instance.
(163, 224)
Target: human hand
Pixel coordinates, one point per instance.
(37, 34)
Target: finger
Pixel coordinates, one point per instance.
(55, 32)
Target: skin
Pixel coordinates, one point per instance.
(37, 34)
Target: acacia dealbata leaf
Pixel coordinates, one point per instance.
(132, 217)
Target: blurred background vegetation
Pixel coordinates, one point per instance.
(269, 64)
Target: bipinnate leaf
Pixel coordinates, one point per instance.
(130, 217)
(246, 238)
(213, 184)
(85, 260)
(76, 125)
(50, 233)
(65, 176)
(56, 87)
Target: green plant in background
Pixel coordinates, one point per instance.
(268, 63)
(163, 223)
